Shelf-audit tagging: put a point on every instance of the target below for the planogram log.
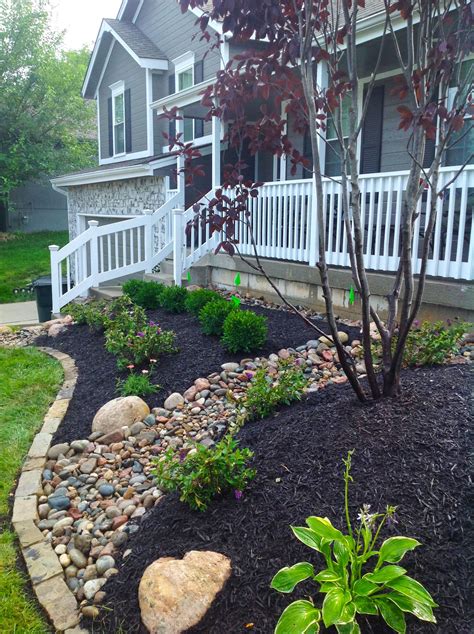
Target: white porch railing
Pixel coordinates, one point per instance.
(101, 254)
(283, 226)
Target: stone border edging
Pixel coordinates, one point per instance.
(45, 571)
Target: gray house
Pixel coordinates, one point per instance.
(122, 213)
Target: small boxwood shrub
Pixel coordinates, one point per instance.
(213, 315)
(244, 331)
(200, 474)
(173, 299)
(144, 294)
(196, 300)
(433, 343)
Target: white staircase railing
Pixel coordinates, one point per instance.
(192, 244)
(101, 254)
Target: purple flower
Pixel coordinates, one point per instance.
(151, 323)
(249, 375)
(416, 323)
(140, 334)
(182, 454)
(298, 361)
(238, 494)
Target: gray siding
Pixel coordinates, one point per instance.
(37, 207)
(173, 31)
(122, 67)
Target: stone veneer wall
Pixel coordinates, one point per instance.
(124, 197)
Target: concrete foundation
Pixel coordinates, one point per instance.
(300, 284)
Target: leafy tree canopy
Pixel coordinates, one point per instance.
(46, 127)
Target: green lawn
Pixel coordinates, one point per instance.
(23, 258)
(29, 382)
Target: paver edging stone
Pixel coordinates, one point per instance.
(46, 577)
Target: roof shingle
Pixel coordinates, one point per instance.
(140, 44)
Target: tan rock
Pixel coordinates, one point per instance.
(175, 594)
(202, 384)
(56, 329)
(118, 413)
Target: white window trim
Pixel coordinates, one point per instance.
(118, 89)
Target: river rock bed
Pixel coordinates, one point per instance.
(95, 490)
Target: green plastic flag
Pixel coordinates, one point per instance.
(235, 300)
(237, 279)
(189, 276)
(351, 296)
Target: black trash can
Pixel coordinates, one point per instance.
(44, 297)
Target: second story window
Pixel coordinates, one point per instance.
(185, 78)
(119, 124)
(118, 118)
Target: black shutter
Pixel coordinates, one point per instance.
(199, 72)
(198, 128)
(430, 146)
(171, 84)
(110, 126)
(372, 133)
(128, 120)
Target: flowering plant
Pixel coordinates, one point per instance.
(134, 340)
(137, 383)
(349, 587)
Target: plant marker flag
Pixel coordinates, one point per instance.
(235, 300)
(189, 276)
(237, 279)
(351, 296)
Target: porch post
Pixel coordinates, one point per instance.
(180, 158)
(94, 253)
(149, 238)
(216, 153)
(56, 282)
(313, 256)
(179, 242)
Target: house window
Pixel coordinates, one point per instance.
(119, 124)
(118, 117)
(185, 78)
(333, 149)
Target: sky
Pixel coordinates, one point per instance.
(80, 19)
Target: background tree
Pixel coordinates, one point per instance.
(300, 37)
(46, 127)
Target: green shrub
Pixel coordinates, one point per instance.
(94, 313)
(134, 340)
(173, 299)
(136, 385)
(196, 300)
(144, 294)
(244, 331)
(213, 316)
(432, 343)
(359, 575)
(202, 473)
(265, 395)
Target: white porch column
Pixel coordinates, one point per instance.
(283, 158)
(216, 153)
(322, 82)
(180, 159)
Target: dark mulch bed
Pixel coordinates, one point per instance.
(412, 452)
(198, 355)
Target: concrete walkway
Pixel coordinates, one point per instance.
(18, 314)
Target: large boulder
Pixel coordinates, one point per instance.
(118, 413)
(175, 594)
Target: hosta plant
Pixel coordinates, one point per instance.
(359, 577)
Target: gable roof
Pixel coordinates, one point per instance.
(145, 53)
(139, 43)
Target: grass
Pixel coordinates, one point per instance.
(24, 257)
(29, 382)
